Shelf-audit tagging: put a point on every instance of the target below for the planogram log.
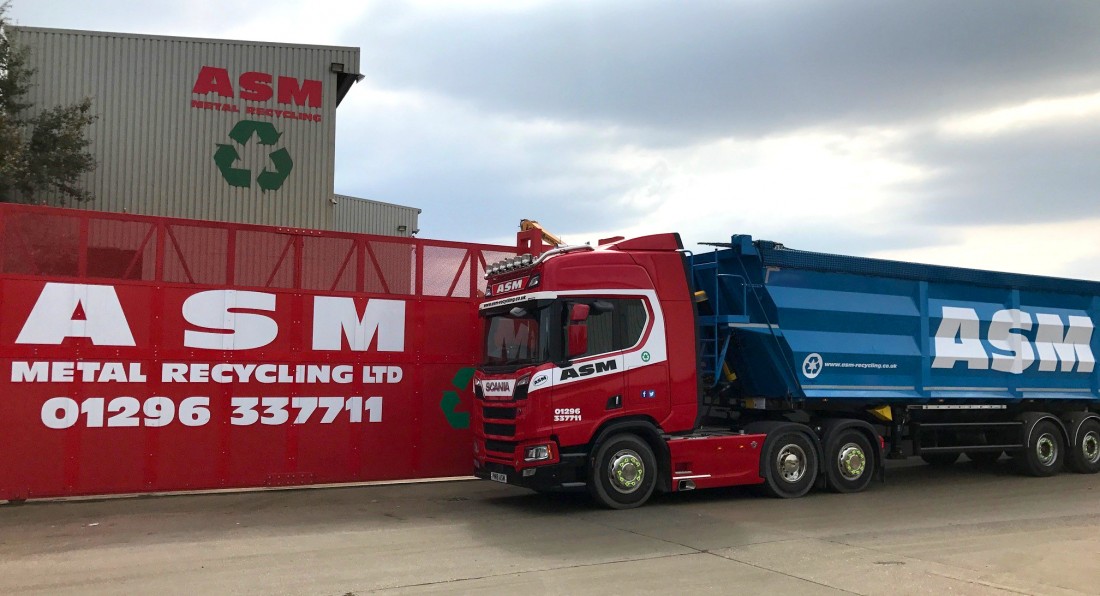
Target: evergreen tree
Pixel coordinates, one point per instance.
(41, 154)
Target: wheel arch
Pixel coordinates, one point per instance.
(831, 427)
(1032, 419)
(774, 428)
(1073, 422)
(645, 428)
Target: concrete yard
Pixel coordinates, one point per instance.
(962, 530)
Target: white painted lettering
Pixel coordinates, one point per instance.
(958, 339)
(61, 372)
(343, 374)
(1070, 347)
(53, 318)
(30, 372)
(1001, 337)
(171, 372)
(215, 309)
(336, 318)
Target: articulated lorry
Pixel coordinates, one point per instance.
(635, 367)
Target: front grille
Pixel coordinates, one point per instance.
(498, 413)
(501, 430)
(508, 447)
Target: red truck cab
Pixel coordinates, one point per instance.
(580, 383)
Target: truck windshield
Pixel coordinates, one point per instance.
(515, 338)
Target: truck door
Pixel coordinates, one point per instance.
(590, 388)
(646, 389)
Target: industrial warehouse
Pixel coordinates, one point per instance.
(222, 130)
(216, 267)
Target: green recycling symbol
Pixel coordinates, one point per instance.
(450, 402)
(242, 133)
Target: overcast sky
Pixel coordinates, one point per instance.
(961, 133)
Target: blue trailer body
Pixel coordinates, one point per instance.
(803, 325)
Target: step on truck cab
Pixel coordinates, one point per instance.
(636, 367)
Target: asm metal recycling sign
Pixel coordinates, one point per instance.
(131, 388)
(170, 354)
(226, 157)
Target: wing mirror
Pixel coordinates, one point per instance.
(577, 330)
(578, 313)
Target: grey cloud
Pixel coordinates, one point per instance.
(740, 68)
(472, 184)
(1045, 175)
(152, 17)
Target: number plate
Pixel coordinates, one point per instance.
(499, 477)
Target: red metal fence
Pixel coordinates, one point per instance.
(142, 354)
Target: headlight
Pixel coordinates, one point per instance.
(521, 387)
(536, 453)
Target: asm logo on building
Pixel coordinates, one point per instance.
(280, 96)
(264, 95)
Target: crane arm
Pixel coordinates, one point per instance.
(547, 237)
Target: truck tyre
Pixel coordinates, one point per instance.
(790, 465)
(849, 462)
(1084, 457)
(984, 459)
(940, 459)
(1045, 451)
(624, 472)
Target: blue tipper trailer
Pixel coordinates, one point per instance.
(944, 360)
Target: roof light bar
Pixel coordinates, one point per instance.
(509, 264)
(523, 261)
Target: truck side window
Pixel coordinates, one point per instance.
(632, 320)
(616, 329)
(601, 332)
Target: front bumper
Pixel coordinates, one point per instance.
(567, 474)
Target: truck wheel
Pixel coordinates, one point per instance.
(790, 465)
(940, 459)
(1084, 458)
(849, 462)
(1045, 451)
(624, 472)
(984, 458)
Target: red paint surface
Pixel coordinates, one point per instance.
(154, 265)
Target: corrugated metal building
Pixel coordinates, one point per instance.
(374, 217)
(210, 129)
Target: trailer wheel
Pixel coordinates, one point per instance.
(1045, 451)
(1084, 458)
(790, 465)
(849, 462)
(984, 458)
(624, 472)
(940, 459)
